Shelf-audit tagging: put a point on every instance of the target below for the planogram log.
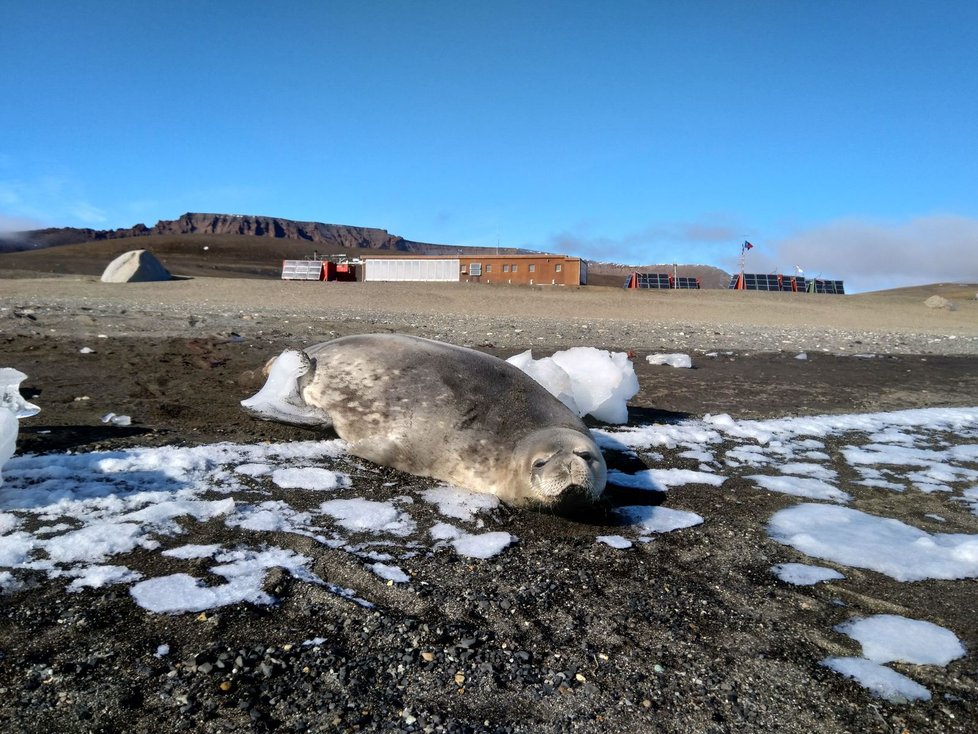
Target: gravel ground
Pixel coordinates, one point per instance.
(510, 317)
(689, 633)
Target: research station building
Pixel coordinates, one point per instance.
(499, 269)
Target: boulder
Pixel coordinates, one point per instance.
(940, 302)
(135, 266)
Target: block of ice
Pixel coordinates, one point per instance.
(589, 381)
(12, 407)
(549, 374)
(280, 398)
(672, 360)
(8, 437)
(117, 420)
(10, 397)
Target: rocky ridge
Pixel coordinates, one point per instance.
(191, 223)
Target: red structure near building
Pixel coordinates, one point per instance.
(318, 270)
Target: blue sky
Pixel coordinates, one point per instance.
(837, 136)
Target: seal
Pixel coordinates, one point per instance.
(437, 410)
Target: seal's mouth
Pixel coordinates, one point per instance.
(573, 499)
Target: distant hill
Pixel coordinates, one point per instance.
(952, 291)
(311, 233)
(252, 246)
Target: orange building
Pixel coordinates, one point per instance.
(532, 269)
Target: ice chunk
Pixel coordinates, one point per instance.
(280, 398)
(12, 407)
(549, 374)
(602, 381)
(117, 420)
(8, 436)
(672, 360)
(589, 381)
(10, 398)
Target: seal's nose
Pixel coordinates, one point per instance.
(578, 469)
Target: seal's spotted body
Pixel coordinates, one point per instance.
(451, 413)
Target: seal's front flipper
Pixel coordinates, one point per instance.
(281, 397)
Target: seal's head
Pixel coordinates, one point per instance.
(565, 468)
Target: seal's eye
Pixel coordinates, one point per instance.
(539, 463)
(586, 455)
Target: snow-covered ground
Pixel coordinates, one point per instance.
(77, 517)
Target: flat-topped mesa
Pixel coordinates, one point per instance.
(276, 227)
(248, 225)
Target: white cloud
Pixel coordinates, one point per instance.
(53, 200)
(656, 243)
(88, 213)
(870, 255)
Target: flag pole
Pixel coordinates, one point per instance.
(741, 285)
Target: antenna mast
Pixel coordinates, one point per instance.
(741, 285)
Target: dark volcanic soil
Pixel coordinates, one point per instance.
(688, 633)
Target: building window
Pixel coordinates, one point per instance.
(533, 268)
(515, 266)
(475, 269)
(488, 268)
(557, 267)
(505, 268)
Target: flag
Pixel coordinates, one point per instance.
(747, 245)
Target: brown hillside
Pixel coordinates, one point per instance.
(250, 226)
(187, 255)
(951, 291)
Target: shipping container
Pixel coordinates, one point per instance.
(411, 269)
